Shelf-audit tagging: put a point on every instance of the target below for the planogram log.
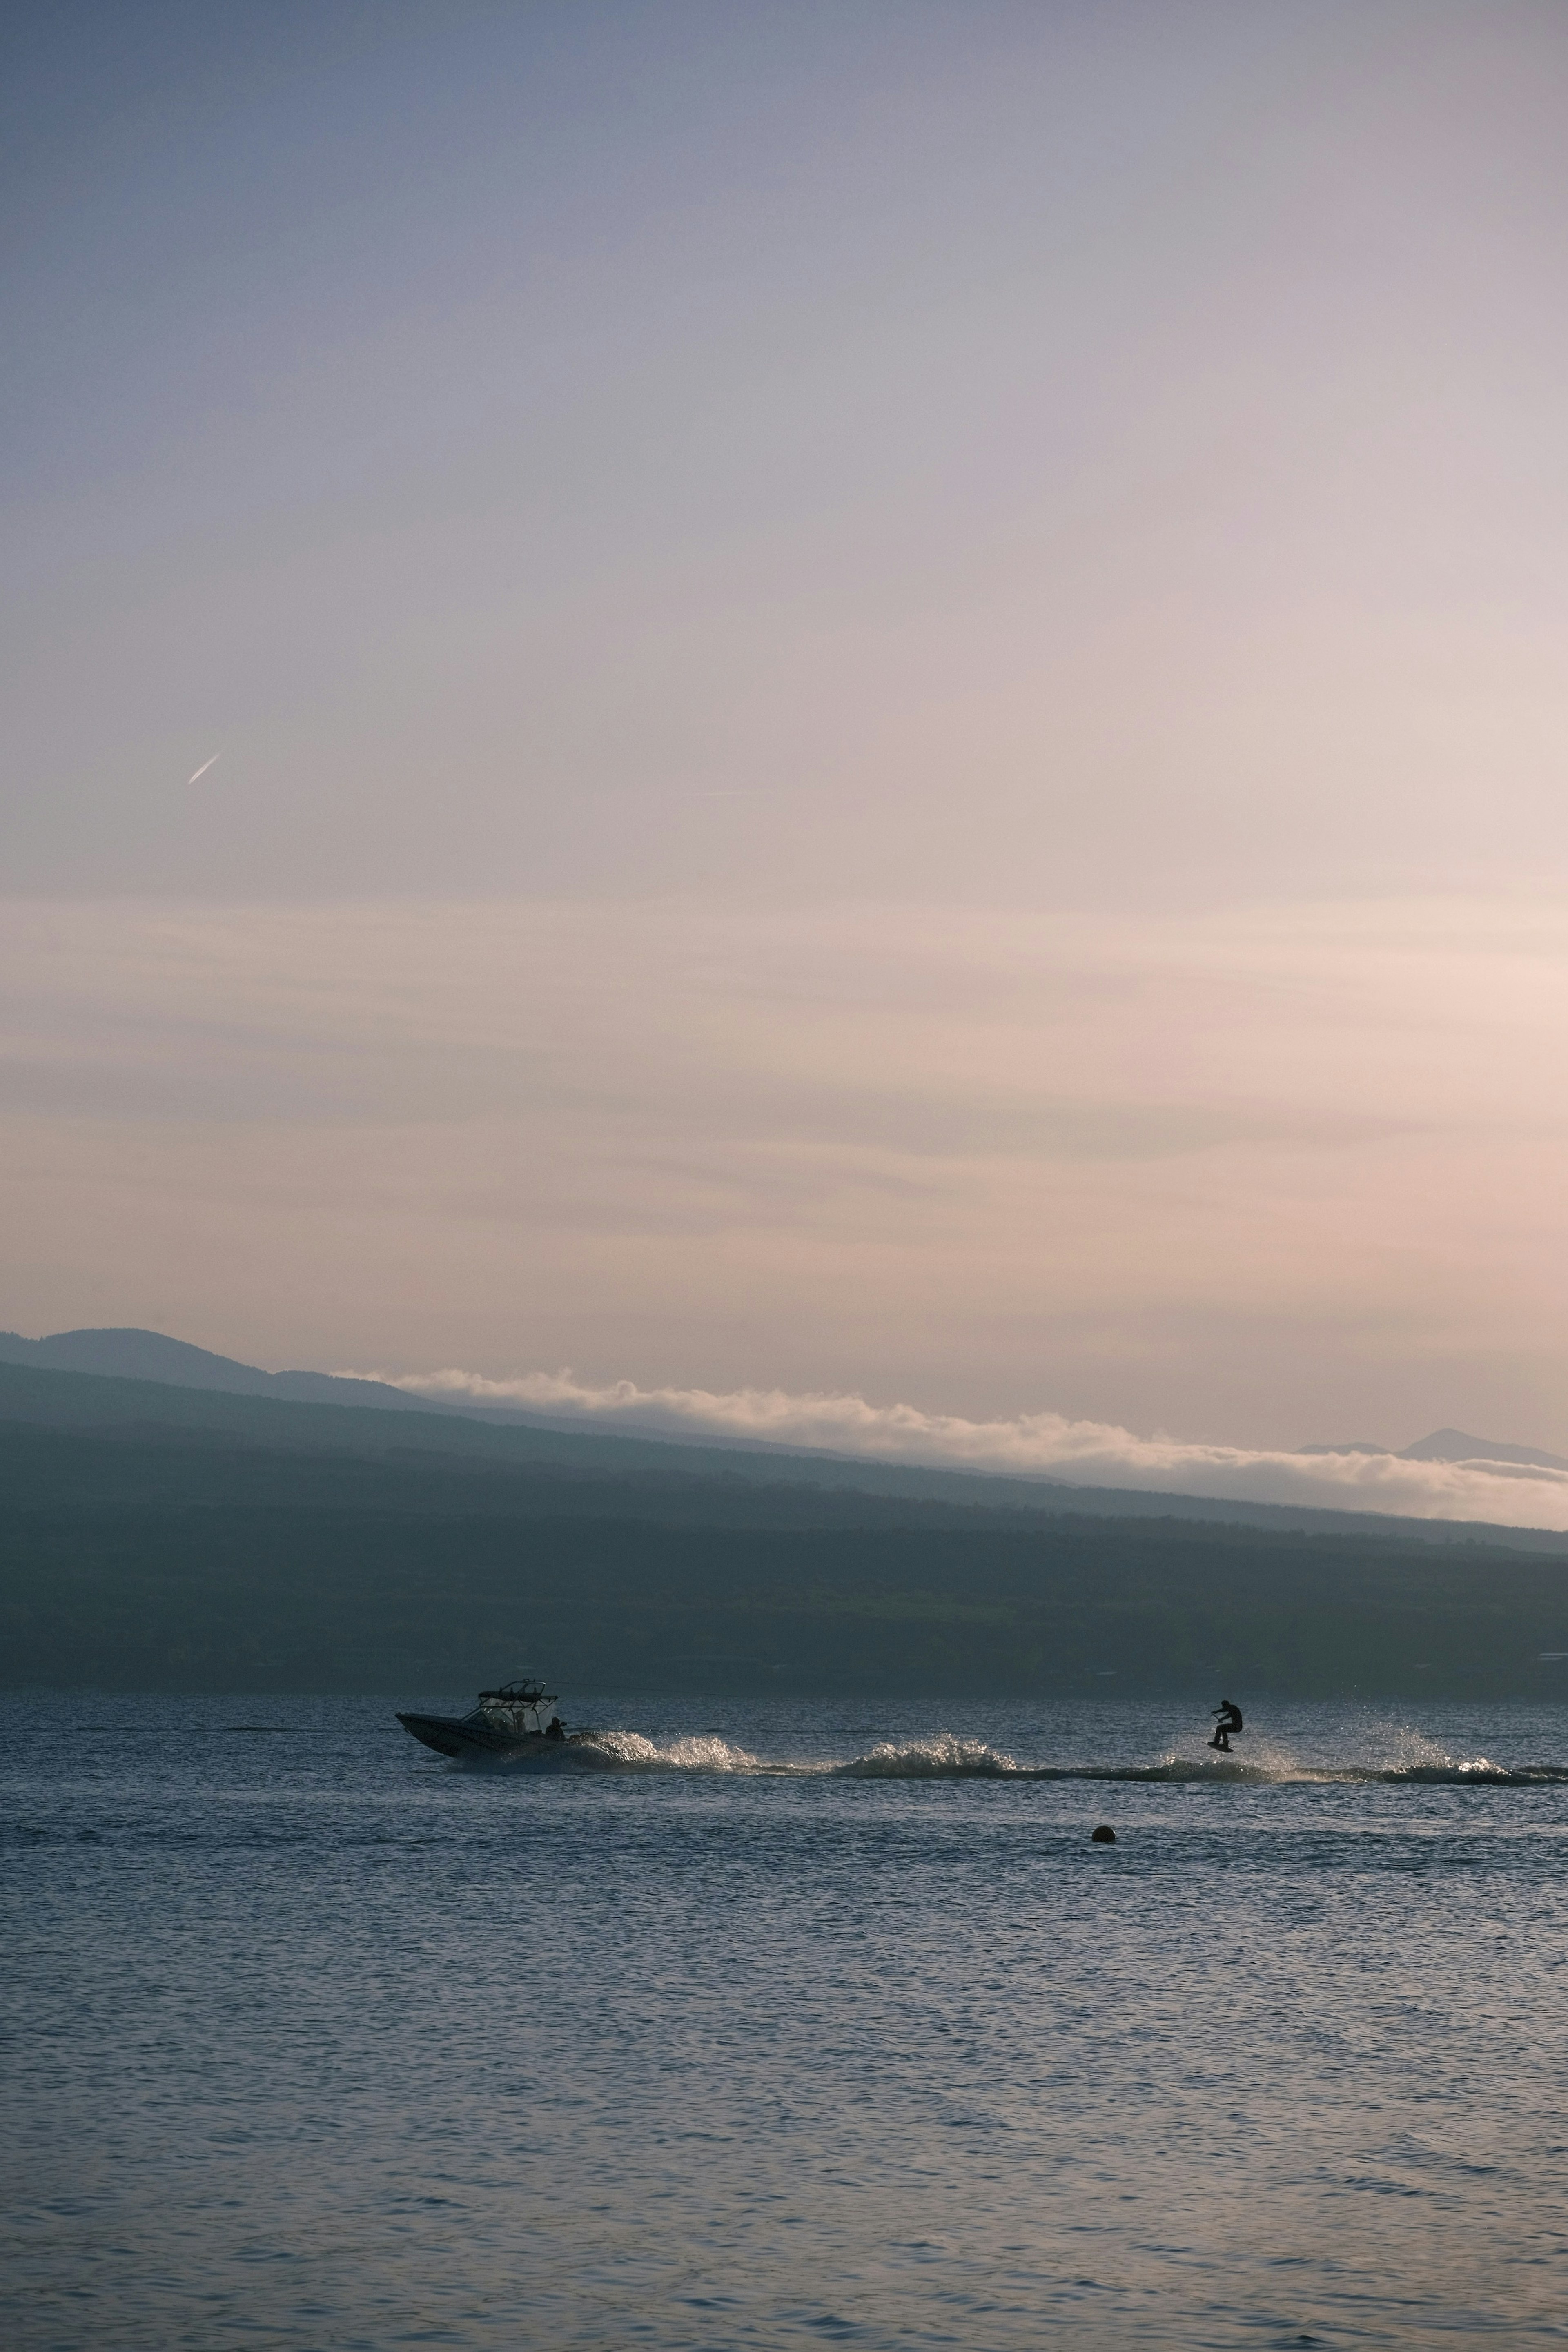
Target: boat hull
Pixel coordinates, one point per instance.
(475, 1743)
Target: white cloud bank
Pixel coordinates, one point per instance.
(1086, 1452)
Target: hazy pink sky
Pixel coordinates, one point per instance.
(888, 687)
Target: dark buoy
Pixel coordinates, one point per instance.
(1104, 1835)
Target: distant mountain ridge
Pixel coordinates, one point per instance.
(133, 1355)
(155, 1537)
(130, 1354)
(1454, 1445)
(1451, 1445)
(88, 1405)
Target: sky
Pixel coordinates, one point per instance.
(880, 696)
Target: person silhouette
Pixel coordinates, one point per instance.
(1227, 1718)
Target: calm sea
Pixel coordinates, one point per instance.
(796, 2025)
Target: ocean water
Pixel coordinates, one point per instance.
(781, 2026)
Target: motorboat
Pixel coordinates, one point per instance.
(516, 1720)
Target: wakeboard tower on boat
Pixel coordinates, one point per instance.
(515, 1720)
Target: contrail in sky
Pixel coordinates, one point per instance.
(204, 766)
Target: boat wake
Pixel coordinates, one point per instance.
(939, 1758)
(1475, 1772)
(1409, 1760)
(704, 1752)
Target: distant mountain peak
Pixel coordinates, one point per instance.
(1458, 1445)
(1452, 1446)
(129, 1354)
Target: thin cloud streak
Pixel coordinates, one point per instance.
(1085, 1453)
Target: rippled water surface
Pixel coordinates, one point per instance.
(777, 2026)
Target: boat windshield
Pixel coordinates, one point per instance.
(521, 1707)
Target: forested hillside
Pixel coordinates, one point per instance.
(158, 1557)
